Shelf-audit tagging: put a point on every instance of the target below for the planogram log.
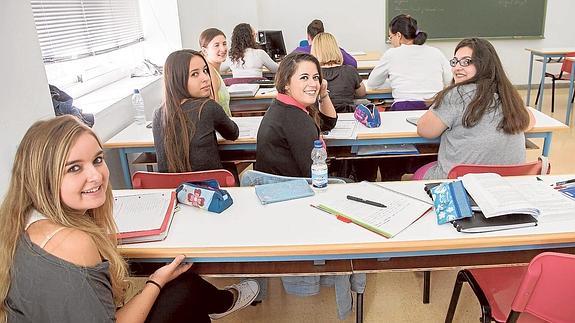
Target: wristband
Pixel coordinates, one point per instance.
(149, 281)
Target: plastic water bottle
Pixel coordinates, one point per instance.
(138, 103)
(318, 167)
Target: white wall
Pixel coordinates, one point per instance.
(24, 87)
(358, 26)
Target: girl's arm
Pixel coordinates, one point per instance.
(430, 126)
(325, 105)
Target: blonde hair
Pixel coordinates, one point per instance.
(36, 180)
(324, 47)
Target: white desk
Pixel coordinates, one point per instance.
(393, 130)
(546, 54)
(293, 231)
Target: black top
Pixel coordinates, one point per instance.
(208, 119)
(342, 81)
(285, 140)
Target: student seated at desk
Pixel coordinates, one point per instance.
(481, 118)
(293, 121)
(416, 71)
(58, 256)
(315, 27)
(215, 49)
(246, 59)
(343, 81)
(185, 125)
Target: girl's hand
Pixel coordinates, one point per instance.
(170, 271)
(323, 88)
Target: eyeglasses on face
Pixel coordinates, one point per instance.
(463, 62)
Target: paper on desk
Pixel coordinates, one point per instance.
(140, 212)
(248, 127)
(344, 129)
(400, 211)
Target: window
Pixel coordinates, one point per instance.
(86, 44)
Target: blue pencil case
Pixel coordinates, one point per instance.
(205, 195)
(450, 202)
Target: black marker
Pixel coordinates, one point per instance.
(360, 200)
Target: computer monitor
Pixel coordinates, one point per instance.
(272, 41)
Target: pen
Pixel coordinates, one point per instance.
(565, 182)
(360, 200)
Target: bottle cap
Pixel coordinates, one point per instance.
(136, 91)
(317, 144)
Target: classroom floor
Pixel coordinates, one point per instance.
(396, 296)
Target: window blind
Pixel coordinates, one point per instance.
(72, 29)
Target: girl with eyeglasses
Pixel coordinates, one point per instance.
(416, 72)
(480, 117)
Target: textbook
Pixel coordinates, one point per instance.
(243, 90)
(378, 208)
(496, 196)
(283, 191)
(144, 217)
(478, 223)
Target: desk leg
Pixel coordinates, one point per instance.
(359, 308)
(547, 143)
(531, 57)
(125, 167)
(426, 285)
(542, 83)
(570, 97)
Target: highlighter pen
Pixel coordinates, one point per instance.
(360, 200)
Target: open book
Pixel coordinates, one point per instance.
(496, 196)
(400, 210)
(144, 217)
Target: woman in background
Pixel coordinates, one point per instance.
(416, 72)
(185, 126)
(481, 117)
(294, 119)
(343, 81)
(343, 84)
(246, 58)
(214, 47)
(58, 256)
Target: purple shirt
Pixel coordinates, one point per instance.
(347, 58)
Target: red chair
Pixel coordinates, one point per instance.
(544, 291)
(563, 75)
(539, 167)
(172, 180)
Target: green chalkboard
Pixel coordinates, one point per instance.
(454, 19)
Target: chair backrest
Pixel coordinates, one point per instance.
(538, 167)
(243, 80)
(547, 290)
(254, 177)
(172, 180)
(567, 64)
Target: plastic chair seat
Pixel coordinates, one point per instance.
(172, 180)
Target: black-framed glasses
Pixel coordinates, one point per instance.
(463, 62)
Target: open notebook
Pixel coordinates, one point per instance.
(144, 217)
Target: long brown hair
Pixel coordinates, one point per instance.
(178, 127)
(490, 79)
(287, 69)
(242, 38)
(36, 181)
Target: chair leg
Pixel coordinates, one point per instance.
(513, 316)
(454, 297)
(426, 284)
(359, 308)
(538, 92)
(553, 95)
